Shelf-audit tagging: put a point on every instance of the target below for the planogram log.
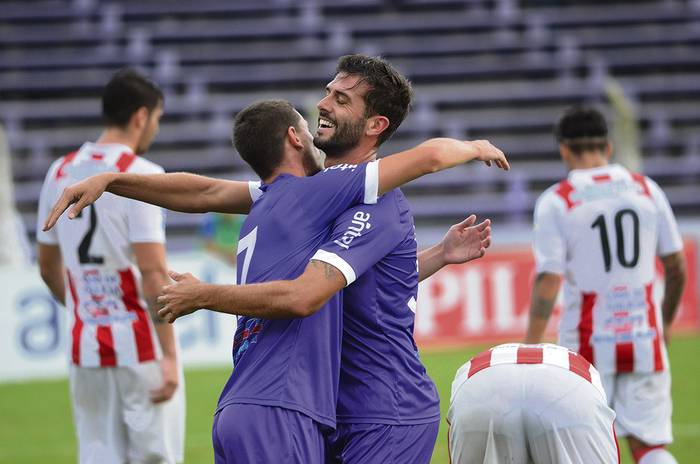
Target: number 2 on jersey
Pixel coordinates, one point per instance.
(620, 236)
(84, 255)
(247, 245)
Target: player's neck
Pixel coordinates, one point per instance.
(588, 161)
(287, 167)
(115, 135)
(358, 155)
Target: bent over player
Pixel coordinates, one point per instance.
(520, 403)
(107, 267)
(602, 229)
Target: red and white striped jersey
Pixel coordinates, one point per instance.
(111, 325)
(602, 229)
(519, 353)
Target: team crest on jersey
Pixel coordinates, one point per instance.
(246, 335)
(360, 223)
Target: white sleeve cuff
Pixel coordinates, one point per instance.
(337, 262)
(549, 267)
(254, 189)
(674, 246)
(46, 239)
(371, 182)
(156, 238)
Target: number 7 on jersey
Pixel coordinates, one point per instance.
(247, 245)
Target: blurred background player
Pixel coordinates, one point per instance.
(540, 404)
(602, 229)
(107, 267)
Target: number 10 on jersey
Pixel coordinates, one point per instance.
(622, 233)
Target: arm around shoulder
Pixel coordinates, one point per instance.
(432, 156)
(281, 299)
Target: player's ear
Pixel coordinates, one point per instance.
(567, 156)
(293, 137)
(608, 151)
(139, 119)
(564, 152)
(376, 125)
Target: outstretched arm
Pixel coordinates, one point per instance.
(189, 193)
(462, 243)
(281, 299)
(544, 295)
(435, 155)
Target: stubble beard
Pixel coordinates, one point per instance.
(345, 137)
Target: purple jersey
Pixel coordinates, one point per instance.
(382, 379)
(293, 363)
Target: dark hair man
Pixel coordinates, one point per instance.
(603, 228)
(108, 267)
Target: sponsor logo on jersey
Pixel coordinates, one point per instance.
(342, 167)
(360, 223)
(603, 191)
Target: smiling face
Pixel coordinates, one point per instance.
(342, 118)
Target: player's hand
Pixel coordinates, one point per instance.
(179, 299)
(667, 334)
(488, 153)
(168, 366)
(81, 194)
(466, 241)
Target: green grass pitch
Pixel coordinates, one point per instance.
(36, 424)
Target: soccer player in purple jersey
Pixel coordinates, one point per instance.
(385, 395)
(281, 396)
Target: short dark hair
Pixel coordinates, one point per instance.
(582, 128)
(389, 92)
(125, 93)
(259, 132)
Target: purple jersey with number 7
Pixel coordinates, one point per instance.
(293, 363)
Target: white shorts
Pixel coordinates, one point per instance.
(642, 402)
(522, 413)
(115, 420)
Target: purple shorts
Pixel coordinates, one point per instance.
(250, 433)
(383, 444)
